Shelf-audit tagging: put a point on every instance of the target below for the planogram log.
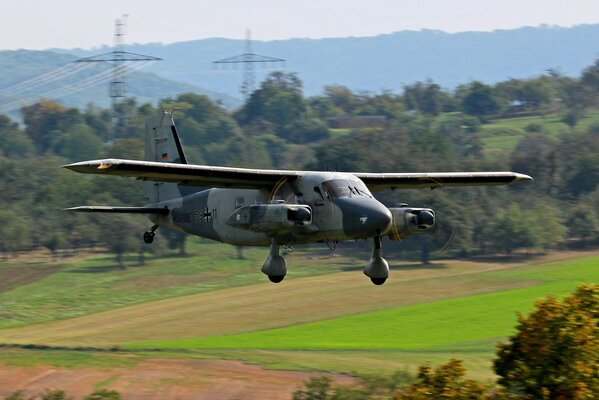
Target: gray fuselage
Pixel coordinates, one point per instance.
(342, 208)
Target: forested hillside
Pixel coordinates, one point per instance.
(546, 126)
(385, 61)
(27, 76)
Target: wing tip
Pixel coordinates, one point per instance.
(522, 177)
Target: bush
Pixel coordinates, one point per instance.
(555, 351)
(104, 394)
(534, 128)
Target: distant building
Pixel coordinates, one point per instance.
(357, 122)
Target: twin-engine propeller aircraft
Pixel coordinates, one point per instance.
(258, 207)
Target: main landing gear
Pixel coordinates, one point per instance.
(377, 268)
(274, 266)
(149, 235)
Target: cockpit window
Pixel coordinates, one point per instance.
(346, 188)
(360, 187)
(337, 188)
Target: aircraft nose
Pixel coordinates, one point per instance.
(364, 218)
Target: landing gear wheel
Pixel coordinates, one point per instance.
(377, 268)
(149, 237)
(274, 267)
(276, 279)
(378, 281)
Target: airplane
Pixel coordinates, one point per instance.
(261, 207)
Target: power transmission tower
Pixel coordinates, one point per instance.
(249, 59)
(119, 59)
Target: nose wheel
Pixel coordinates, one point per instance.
(274, 266)
(377, 268)
(149, 235)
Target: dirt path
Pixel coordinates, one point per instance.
(162, 380)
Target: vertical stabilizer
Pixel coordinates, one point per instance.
(163, 145)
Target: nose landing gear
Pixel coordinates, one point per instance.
(274, 266)
(377, 268)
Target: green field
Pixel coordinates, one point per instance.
(501, 136)
(325, 316)
(430, 326)
(42, 292)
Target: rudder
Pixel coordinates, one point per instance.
(163, 145)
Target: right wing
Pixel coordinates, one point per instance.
(120, 210)
(185, 174)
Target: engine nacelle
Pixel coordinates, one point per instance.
(275, 217)
(409, 221)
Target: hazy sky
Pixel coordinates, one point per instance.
(39, 24)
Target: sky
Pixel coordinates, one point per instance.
(39, 24)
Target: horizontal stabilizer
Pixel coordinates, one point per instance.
(122, 210)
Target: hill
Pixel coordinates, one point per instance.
(385, 62)
(26, 75)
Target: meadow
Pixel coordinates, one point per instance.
(325, 316)
(501, 136)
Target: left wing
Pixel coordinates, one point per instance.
(379, 182)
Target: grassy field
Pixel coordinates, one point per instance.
(213, 306)
(428, 326)
(501, 136)
(41, 292)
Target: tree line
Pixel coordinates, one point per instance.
(425, 128)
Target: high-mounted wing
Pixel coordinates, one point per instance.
(186, 174)
(210, 176)
(120, 210)
(379, 182)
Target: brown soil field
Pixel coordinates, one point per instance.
(163, 379)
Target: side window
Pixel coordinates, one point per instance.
(318, 197)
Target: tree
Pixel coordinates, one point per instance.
(426, 97)
(18, 395)
(536, 155)
(46, 120)
(583, 223)
(55, 395)
(554, 354)
(481, 101)
(176, 241)
(78, 143)
(510, 230)
(122, 234)
(590, 78)
(279, 101)
(104, 394)
(15, 230)
(13, 141)
(446, 382)
(316, 388)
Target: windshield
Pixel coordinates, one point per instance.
(344, 188)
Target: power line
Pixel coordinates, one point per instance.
(119, 59)
(249, 59)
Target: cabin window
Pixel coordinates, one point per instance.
(318, 198)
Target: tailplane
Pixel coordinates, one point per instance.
(163, 145)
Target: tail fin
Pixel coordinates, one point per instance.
(163, 145)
